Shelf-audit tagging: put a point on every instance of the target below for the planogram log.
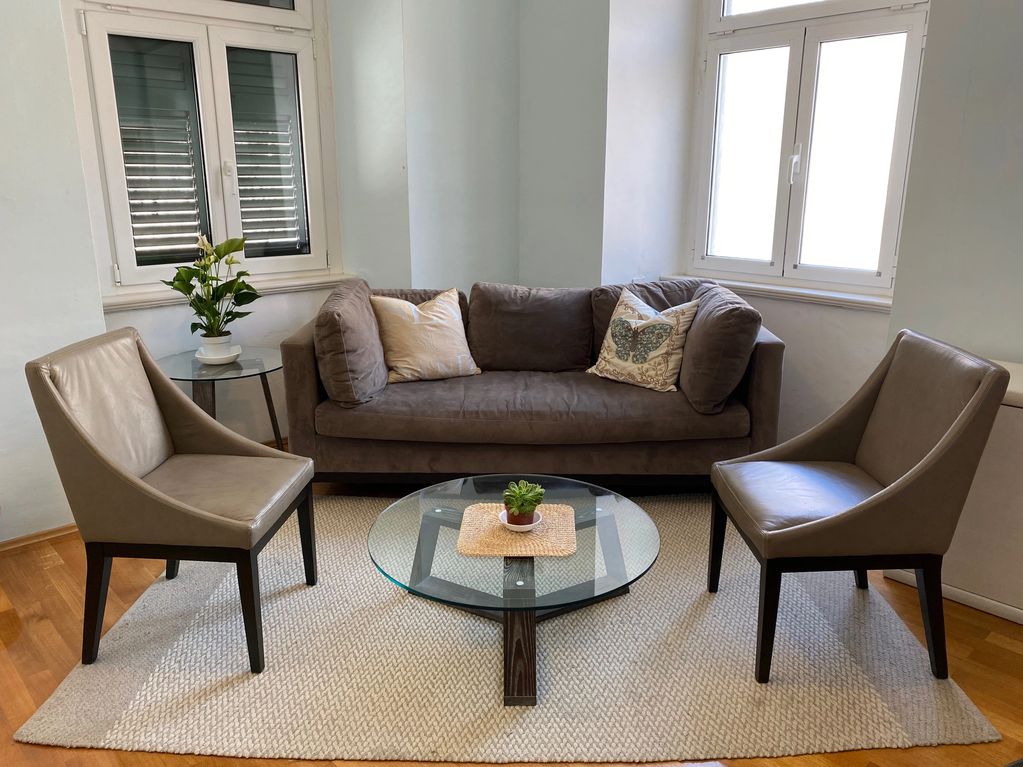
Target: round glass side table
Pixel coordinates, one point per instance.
(253, 361)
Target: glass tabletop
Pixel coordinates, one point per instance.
(252, 361)
(413, 543)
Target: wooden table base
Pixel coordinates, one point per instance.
(519, 587)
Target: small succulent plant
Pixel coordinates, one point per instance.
(521, 498)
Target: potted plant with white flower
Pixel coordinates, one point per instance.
(214, 292)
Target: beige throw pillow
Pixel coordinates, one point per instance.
(425, 342)
(642, 346)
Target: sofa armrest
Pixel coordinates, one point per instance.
(302, 388)
(763, 389)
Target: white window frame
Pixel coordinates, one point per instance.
(101, 25)
(221, 38)
(784, 269)
(749, 41)
(912, 24)
(812, 9)
(300, 18)
(128, 287)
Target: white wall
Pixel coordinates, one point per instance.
(50, 295)
(563, 47)
(960, 270)
(367, 63)
(462, 104)
(652, 53)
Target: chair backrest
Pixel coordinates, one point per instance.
(928, 385)
(104, 389)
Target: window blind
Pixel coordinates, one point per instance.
(268, 152)
(269, 185)
(158, 118)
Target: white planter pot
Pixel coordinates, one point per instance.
(216, 346)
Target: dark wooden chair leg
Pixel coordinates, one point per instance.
(248, 589)
(861, 579)
(928, 584)
(718, 521)
(172, 568)
(97, 579)
(770, 591)
(307, 532)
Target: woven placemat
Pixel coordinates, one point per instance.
(483, 535)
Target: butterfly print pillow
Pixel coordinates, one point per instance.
(644, 347)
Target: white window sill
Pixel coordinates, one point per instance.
(868, 303)
(126, 298)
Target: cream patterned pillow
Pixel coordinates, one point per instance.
(425, 342)
(643, 347)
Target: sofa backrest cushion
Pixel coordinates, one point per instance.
(349, 354)
(421, 296)
(512, 327)
(659, 295)
(718, 348)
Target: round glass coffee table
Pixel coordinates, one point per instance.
(413, 543)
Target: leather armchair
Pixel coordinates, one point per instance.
(148, 474)
(879, 484)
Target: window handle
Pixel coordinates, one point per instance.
(227, 168)
(794, 162)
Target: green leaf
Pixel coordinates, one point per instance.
(196, 326)
(243, 297)
(229, 246)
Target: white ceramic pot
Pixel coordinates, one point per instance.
(216, 346)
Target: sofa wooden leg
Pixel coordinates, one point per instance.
(861, 579)
(928, 584)
(770, 592)
(97, 581)
(307, 532)
(248, 589)
(172, 568)
(718, 522)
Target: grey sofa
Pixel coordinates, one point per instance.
(534, 409)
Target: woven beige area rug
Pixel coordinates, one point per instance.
(358, 669)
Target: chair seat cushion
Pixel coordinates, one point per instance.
(767, 497)
(252, 491)
(531, 408)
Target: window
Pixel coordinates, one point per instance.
(805, 141)
(206, 128)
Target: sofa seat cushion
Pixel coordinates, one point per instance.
(528, 408)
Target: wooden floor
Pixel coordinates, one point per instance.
(41, 588)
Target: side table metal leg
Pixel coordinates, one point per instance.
(270, 408)
(205, 396)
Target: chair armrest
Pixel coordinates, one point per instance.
(763, 390)
(837, 437)
(192, 429)
(303, 391)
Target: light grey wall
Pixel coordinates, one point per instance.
(563, 47)
(462, 103)
(652, 55)
(960, 270)
(368, 68)
(50, 295)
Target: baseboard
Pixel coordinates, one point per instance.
(968, 598)
(42, 535)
